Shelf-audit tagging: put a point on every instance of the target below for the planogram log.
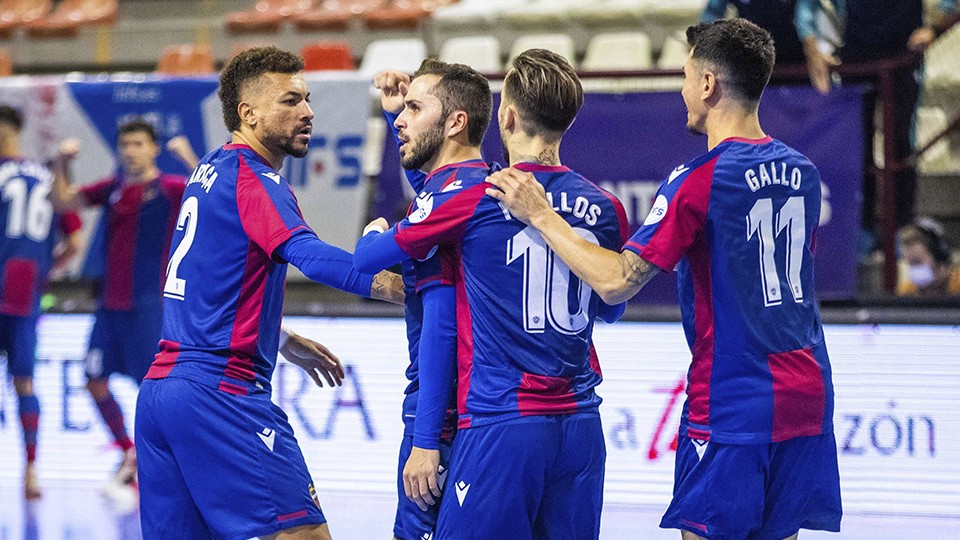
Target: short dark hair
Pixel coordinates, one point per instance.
(461, 88)
(11, 117)
(546, 91)
(743, 51)
(137, 126)
(246, 67)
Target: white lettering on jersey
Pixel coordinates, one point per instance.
(205, 174)
(657, 212)
(268, 436)
(580, 207)
(424, 207)
(773, 174)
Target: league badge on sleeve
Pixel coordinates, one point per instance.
(657, 212)
(424, 207)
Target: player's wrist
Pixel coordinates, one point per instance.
(285, 335)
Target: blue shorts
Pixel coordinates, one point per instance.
(412, 523)
(218, 465)
(532, 477)
(124, 341)
(755, 492)
(18, 337)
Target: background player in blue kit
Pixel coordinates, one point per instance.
(529, 454)
(757, 457)
(34, 240)
(131, 245)
(439, 119)
(217, 457)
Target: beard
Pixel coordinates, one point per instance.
(291, 147)
(424, 149)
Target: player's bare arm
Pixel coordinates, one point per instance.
(393, 89)
(387, 286)
(616, 277)
(313, 358)
(63, 195)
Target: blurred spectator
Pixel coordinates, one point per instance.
(877, 30)
(792, 23)
(926, 269)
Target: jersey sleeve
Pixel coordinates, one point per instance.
(438, 218)
(678, 215)
(97, 193)
(70, 223)
(173, 187)
(268, 208)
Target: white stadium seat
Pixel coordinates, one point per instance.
(482, 53)
(623, 51)
(674, 53)
(400, 54)
(561, 44)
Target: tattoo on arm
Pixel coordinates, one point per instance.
(388, 287)
(636, 271)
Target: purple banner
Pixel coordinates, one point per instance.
(628, 143)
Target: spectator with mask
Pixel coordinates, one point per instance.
(926, 268)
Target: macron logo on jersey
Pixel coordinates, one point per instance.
(457, 184)
(273, 176)
(442, 476)
(424, 207)
(677, 172)
(462, 489)
(268, 436)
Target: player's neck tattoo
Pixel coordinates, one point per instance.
(547, 157)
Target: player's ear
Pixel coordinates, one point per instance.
(247, 114)
(457, 123)
(509, 118)
(708, 85)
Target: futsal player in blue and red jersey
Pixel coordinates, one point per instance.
(217, 458)
(439, 119)
(757, 457)
(34, 240)
(529, 454)
(139, 208)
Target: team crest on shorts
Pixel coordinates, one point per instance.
(313, 495)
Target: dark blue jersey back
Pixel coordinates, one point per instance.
(524, 320)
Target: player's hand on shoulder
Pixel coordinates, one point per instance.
(519, 192)
(393, 89)
(313, 358)
(420, 477)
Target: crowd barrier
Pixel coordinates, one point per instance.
(897, 431)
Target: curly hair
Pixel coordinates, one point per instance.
(244, 69)
(743, 51)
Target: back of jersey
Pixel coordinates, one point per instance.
(762, 216)
(741, 221)
(529, 319)
(27, 240)
(223, 292)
